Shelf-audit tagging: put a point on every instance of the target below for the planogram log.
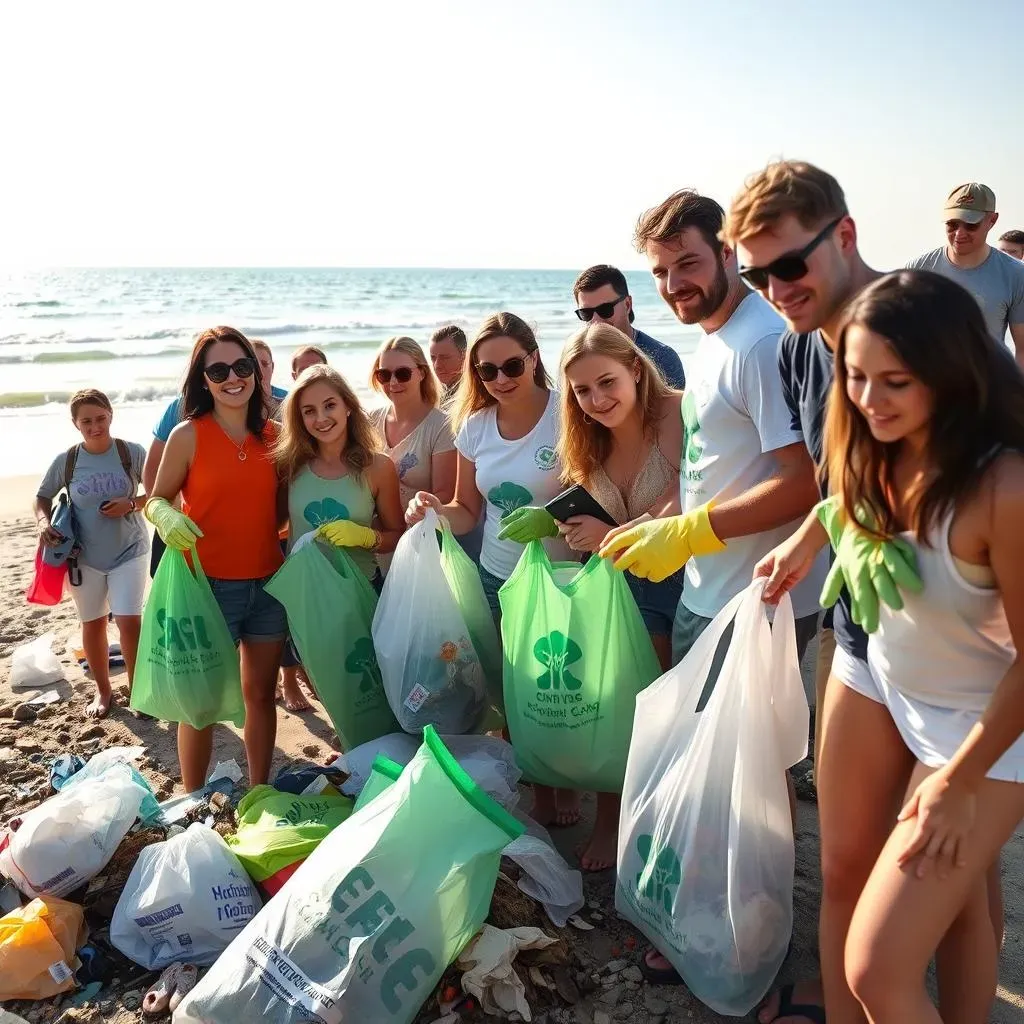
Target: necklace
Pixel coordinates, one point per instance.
(241, 447)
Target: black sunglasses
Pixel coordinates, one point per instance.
(604, 311)
(243, 367)
(513, 367)
(789, 267)
(403, 375)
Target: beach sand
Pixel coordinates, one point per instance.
(307, 736)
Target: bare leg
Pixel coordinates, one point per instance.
(995, 902)
(822, 672)
(599, 852)
(97, 653)
(663, 649)
(259, 674)
(195, 747)
(128, 629)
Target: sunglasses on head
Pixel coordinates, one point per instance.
(218, 372)
(513, 367)
(789, 267)
(604, 311)
(403, 375)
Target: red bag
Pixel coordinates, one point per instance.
(47, 586)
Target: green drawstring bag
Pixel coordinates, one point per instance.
(383, 772)
(187, 669)
(330, 606)
(276, 830)
(377, 912)
(576, 654)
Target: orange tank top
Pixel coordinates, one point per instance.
(234, 502)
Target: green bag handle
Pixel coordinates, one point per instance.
(386, 767)
(536, 556)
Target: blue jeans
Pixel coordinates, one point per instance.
(250, 612)
(657, 601)
(492, 584)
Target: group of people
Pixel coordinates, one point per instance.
(827, 405)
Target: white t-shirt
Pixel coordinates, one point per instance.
(511, 474)
(734, 417)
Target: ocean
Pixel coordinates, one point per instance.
(129, 332)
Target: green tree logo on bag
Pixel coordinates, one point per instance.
(508, 497)
(691, 424)
(661, 873)
(362, 660)
(555, 652)
(186, 633)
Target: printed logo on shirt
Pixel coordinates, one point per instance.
(545, 457)
(661, 874)
(693, 446)
(102, 485)
(318, 513)
(408, 461)
(509, 496)
(556, 652)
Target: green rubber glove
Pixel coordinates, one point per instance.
(343, 533)
(175, 528)
(529, 523)
(872, 570)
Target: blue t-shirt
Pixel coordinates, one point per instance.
(172, 414)
(664, 358)
(806, 366)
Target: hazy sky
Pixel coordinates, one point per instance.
(478, 133)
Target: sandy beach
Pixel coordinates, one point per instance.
(64, 728)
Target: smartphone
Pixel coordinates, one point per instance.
(577, 501)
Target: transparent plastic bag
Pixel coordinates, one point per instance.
(34, 665)
(705, 854)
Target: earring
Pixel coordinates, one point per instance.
(587, 419)
(636, 380)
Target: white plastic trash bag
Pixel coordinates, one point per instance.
(34, 665)
(68, 839)
(547, 877)
(186, 899)
(431, 671)
(705, 854)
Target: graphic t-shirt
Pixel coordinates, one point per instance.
(314, 500)
(106, 543)
(511, 474)
(734, 417)
(413, 454)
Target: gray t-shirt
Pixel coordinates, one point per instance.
(997, 285)
(106, 543)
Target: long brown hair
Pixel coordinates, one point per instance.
(196, 399)
(295, 448)
(582, 447)
(472, 396)
(938, 332)
(410, 347)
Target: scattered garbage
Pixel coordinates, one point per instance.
(37, 949)
(44, 699)
(226, 770)
(100, 763)
(186, 898)
(547, 877)
(34, 665)
(489, 972)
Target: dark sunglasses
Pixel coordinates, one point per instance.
(604, 311)
(789, 267)
(513, 367)
(243, 367)
(403, 375)
(953, 225)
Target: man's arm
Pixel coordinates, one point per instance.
(1017, 334)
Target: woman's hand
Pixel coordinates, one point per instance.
(944, 811)
(786, 565)
(417, 509)
(583, 533)
(48, 536)
(117, 507)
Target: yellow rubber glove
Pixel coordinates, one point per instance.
(656, 548)
(343, 533)
(175, 528)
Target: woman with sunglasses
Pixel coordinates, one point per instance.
(219, 459)
(505, 418)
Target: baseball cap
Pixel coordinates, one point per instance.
(970, 202)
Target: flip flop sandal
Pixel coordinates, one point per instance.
(187, 978)
(158, 997)
(787, 1008)
(659, 975)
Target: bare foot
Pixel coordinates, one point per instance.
(567, 804)
(804, 994)
(599, 852)
(543, 811)
(100, 704)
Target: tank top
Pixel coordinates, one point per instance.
(950, 646)
(314, 500)
(234, 502)
(653, 479)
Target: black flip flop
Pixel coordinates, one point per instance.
(787, 1008)
(659, 975)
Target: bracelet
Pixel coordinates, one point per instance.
(377, 539)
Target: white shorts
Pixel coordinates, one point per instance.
(121, 590)
(855, 674)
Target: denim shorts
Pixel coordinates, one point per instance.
(492, 584)
(657, 601)
(250, 612)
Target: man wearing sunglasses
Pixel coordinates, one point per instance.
(601, 293)
(994, 278)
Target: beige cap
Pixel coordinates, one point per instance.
(970, 202)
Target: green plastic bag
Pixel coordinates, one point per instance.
(576, 654)
(330, 606)
(383, 772)
(276, 829)
(188, 665)
(375, 915)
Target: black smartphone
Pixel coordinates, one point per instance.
(577, 501)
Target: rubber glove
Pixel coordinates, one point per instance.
(656, 548)
(175, 528)
(529, 523)
(343, 533)
(872, 570)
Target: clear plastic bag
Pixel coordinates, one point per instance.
(705, 854)
(34, 665)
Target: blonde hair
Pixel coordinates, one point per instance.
(408, 346)
(472, 396)
(784, 187)
(295, 448)
(583, 447)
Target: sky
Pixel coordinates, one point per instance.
(479, 134)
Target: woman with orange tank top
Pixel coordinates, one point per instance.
(219, 459)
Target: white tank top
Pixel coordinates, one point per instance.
(950, 646)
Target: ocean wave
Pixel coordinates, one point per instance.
(42, 302)
(37, 399)
(51, 316)
(93, 356)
